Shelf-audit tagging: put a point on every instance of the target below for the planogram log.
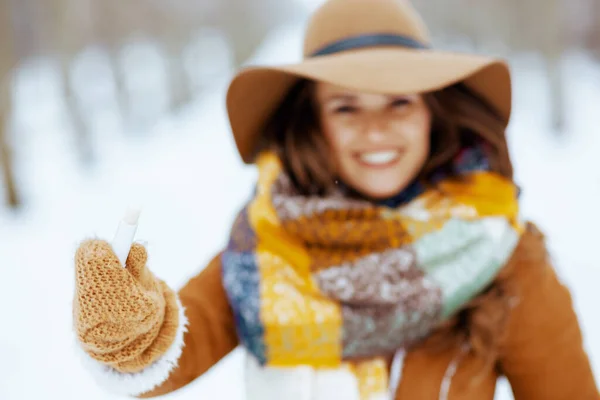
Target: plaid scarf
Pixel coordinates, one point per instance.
(340, 284)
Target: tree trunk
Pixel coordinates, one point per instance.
(7, 62)
(68, 38)
(179, 83)
(6, 160)
(552, 44)
(595, 30)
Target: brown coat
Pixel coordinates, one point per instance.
(543, 357)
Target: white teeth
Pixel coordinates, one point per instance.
(379, 157)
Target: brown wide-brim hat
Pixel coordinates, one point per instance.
(373, 46)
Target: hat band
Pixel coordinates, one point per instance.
(369, 40)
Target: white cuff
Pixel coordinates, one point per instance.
(135, 384)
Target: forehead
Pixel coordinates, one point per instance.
(326, 91)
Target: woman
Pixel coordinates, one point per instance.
(381, 256)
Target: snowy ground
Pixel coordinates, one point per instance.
(187, 173)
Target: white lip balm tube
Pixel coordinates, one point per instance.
(125, 233)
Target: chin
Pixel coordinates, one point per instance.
(380, 184)
(382, 192)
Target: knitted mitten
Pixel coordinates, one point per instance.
(124, 317)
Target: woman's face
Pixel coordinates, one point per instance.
(380, 142)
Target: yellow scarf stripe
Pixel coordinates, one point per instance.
(295, 297)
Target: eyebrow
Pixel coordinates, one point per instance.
(350, 97)
(346, 97)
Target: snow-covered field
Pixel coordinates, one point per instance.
(186, 174)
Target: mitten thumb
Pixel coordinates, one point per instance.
(136, 265)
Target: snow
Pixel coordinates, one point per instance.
(184, 171)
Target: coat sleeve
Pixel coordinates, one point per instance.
(210, 334)
(544, 356)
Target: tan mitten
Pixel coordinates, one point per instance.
(124, 317)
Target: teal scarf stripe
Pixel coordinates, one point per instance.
(464, 257)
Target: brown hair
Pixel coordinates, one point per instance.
(459, 118)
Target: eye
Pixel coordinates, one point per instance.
(401, 102)
(344, 109)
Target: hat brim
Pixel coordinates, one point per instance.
(255, 92)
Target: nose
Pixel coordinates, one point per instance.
(375, 128)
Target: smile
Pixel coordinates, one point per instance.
(378, 158)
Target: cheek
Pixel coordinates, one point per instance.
(417, 133)
(338, 135)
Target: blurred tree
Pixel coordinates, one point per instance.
(594, 36)
(173, 24)
(69, 31)
(7, 63)
(248, 22)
